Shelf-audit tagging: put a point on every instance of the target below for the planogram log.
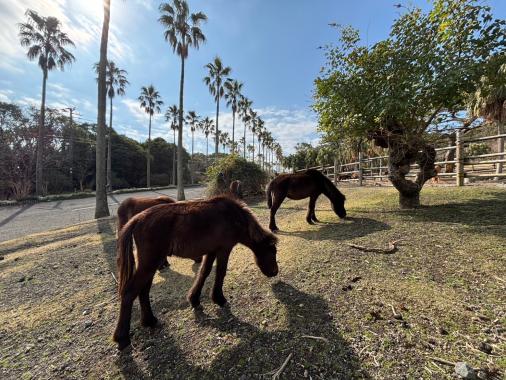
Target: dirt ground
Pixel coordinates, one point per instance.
(333, 312)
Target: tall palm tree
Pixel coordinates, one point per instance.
(215, 81)
(244, 108)
(116, 83)
(182, 32)
(260, 134)
(251, 150)
(208, 128)
(193, 120)
(172, 116)
(150, 102)
(47, 43)
(233, 96)
(224, 140)
(253, 127)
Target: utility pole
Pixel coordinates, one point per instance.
(71, 145)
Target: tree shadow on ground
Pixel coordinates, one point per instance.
(480, 214)
(316, 346)
(350, 228)
(12, 216)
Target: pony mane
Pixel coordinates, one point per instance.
(332, 191)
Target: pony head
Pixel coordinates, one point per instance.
(265, 255)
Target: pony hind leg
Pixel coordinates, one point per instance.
(196, 289)
(313, 216)
(221, 270)
(139, 281)
(278, 199)
(148, 319)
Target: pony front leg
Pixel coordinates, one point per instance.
(278, 199)
(196, 289)
(310, 210)
(221, 270)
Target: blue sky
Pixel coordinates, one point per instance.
(271, 45)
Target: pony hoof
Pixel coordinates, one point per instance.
(274, 229)
(149, 322)
(310, 221)
(194, 301)
(122, 342)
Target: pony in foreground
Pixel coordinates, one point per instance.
(191, 229)
(310, 183)
(132, 206)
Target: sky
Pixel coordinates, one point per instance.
(271, 46)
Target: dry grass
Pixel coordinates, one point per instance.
(332, 307)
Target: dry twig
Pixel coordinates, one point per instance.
(280, 370)
(113, 276)
(392, 247)
(315, 337)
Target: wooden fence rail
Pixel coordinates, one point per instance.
(479, 166)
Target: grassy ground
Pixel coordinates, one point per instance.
(331, 309)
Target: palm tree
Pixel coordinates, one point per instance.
(45, 42)
(260, 133)
(193, 120)
(242, 142)
(233, 96)
(224, 140)
(150, 103)
(253, 122)
(244, 108)
(182, 32)
(489, 100)
(215, 81)
(116, 83)
(251, 149)
(171, 116)
(208, 128)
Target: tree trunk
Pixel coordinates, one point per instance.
(500, 149)
(244, 143)
(400, 159)
(253, 151)
(148, 156)
(191, 166)
(233, 131)
(217, 130)
(207, 148)
(40, 139)
(109, 149)
(101, 206)
(180, 172)
(174, 161)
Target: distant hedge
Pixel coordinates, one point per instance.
(253, 178)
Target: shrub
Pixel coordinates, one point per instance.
(253, 178)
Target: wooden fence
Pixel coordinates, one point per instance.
(460, 170)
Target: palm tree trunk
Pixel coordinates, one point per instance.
(40, 138)
(174, 161)
(253, 146)
(244, 143)
(148, 156)
(217, 130)
(192, 142)
(180, 184)
(109, 146)
(101, 206)
(233, 131)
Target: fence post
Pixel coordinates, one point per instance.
(360, 170)
(459, 157)
(335, 171)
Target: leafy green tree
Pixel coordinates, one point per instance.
(217, 76)
(150, 102)
(395, 91)
(233, 96)
(182, 32)
(47, 43)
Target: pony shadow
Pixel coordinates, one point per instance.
(262, 351)
(350, 228)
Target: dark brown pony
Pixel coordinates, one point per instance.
(186, 229)
(132, 206)
(310, 183)
(236, 189)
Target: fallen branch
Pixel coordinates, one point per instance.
(315, 337)
(442, 361)
(278, 373)
(113, 276)
(392, 247)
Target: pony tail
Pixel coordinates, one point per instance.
(125, 257)
(268, 193)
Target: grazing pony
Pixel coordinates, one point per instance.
(132, 206)
(186, 229)
(236, 189)
(310, 183)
